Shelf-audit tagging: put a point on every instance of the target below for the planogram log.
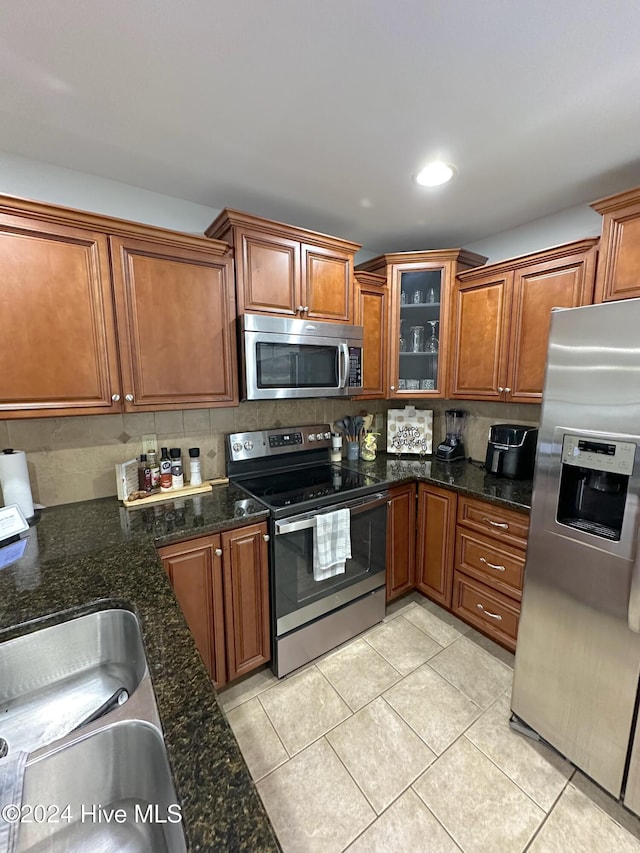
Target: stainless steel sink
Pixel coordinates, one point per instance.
(54, 679)
(117, 784)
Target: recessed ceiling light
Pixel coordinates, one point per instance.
(435, 173)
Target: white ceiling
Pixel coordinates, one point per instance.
(318, 112)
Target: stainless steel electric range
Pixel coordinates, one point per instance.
(289, 471)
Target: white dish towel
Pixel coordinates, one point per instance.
(331, 544)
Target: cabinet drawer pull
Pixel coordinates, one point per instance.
(493, 565)
(218, 552)
(501, 524)
(488, 613)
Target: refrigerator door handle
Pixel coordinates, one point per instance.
(633, 611)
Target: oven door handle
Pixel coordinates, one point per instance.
(309, 520)
(343, 365)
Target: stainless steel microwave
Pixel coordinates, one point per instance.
(283, 358)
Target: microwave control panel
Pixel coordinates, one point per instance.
(615, 457)
(355, 367)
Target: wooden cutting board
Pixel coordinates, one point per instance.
(185, 491)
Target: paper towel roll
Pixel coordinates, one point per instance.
(14, 481)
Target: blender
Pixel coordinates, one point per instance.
(452, 448)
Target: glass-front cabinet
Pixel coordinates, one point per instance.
(419, 317)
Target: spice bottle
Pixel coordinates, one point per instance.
(195, 466)
(144, 474)
(165, 470)
(177, 476)
(152, 459)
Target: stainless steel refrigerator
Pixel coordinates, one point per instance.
(578, 654)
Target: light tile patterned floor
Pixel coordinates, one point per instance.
(398, 742)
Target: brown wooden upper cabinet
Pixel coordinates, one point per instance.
(285, 270)
(619, 259)
(419, 316)
(176, 332)
(62, 270)
(372, 310)
(501, 316)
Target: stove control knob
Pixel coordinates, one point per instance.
(327, 435)
(311, 437)
(237, 446)
(319, 436)
(248, 445)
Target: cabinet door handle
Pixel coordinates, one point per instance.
(500, 389)
(218, 552)
(393, 387)
(493, 565)
(388, 503)
(488, 613)
(507, 390)
(300, 309)
(115, 397)
(128, 398)
(266, 537)
(501, 524)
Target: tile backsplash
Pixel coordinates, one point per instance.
(72, 459)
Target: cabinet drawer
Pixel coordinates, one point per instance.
(484, 559)
(495, 521)
(491, 612)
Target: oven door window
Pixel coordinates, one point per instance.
(283, 365)
(298, 597)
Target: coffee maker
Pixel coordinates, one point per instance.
(511, 451)
(452, 448)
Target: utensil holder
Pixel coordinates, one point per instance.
(353, 450)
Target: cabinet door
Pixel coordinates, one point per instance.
(176, 315)
(564, 283)
(481, 335)
(56, 318)
(619, 259)
(435, 542)
(401, 537)
(371, 314)
(268, 273)
(418, 335)
(195, 573)
(246, 598)
(327, 283)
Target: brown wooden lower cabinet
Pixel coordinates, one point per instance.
(436, 542)
(494, 614)
(222, 585)
(401, 540)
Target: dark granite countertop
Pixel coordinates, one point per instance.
(463, 477)
(85, 556)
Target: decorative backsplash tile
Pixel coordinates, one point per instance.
(72, 459)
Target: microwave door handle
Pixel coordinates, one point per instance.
(633, 610)
(343, 361)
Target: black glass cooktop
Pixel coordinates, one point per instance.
(288, 488)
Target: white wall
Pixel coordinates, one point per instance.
(44, 182)
(563, 227)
